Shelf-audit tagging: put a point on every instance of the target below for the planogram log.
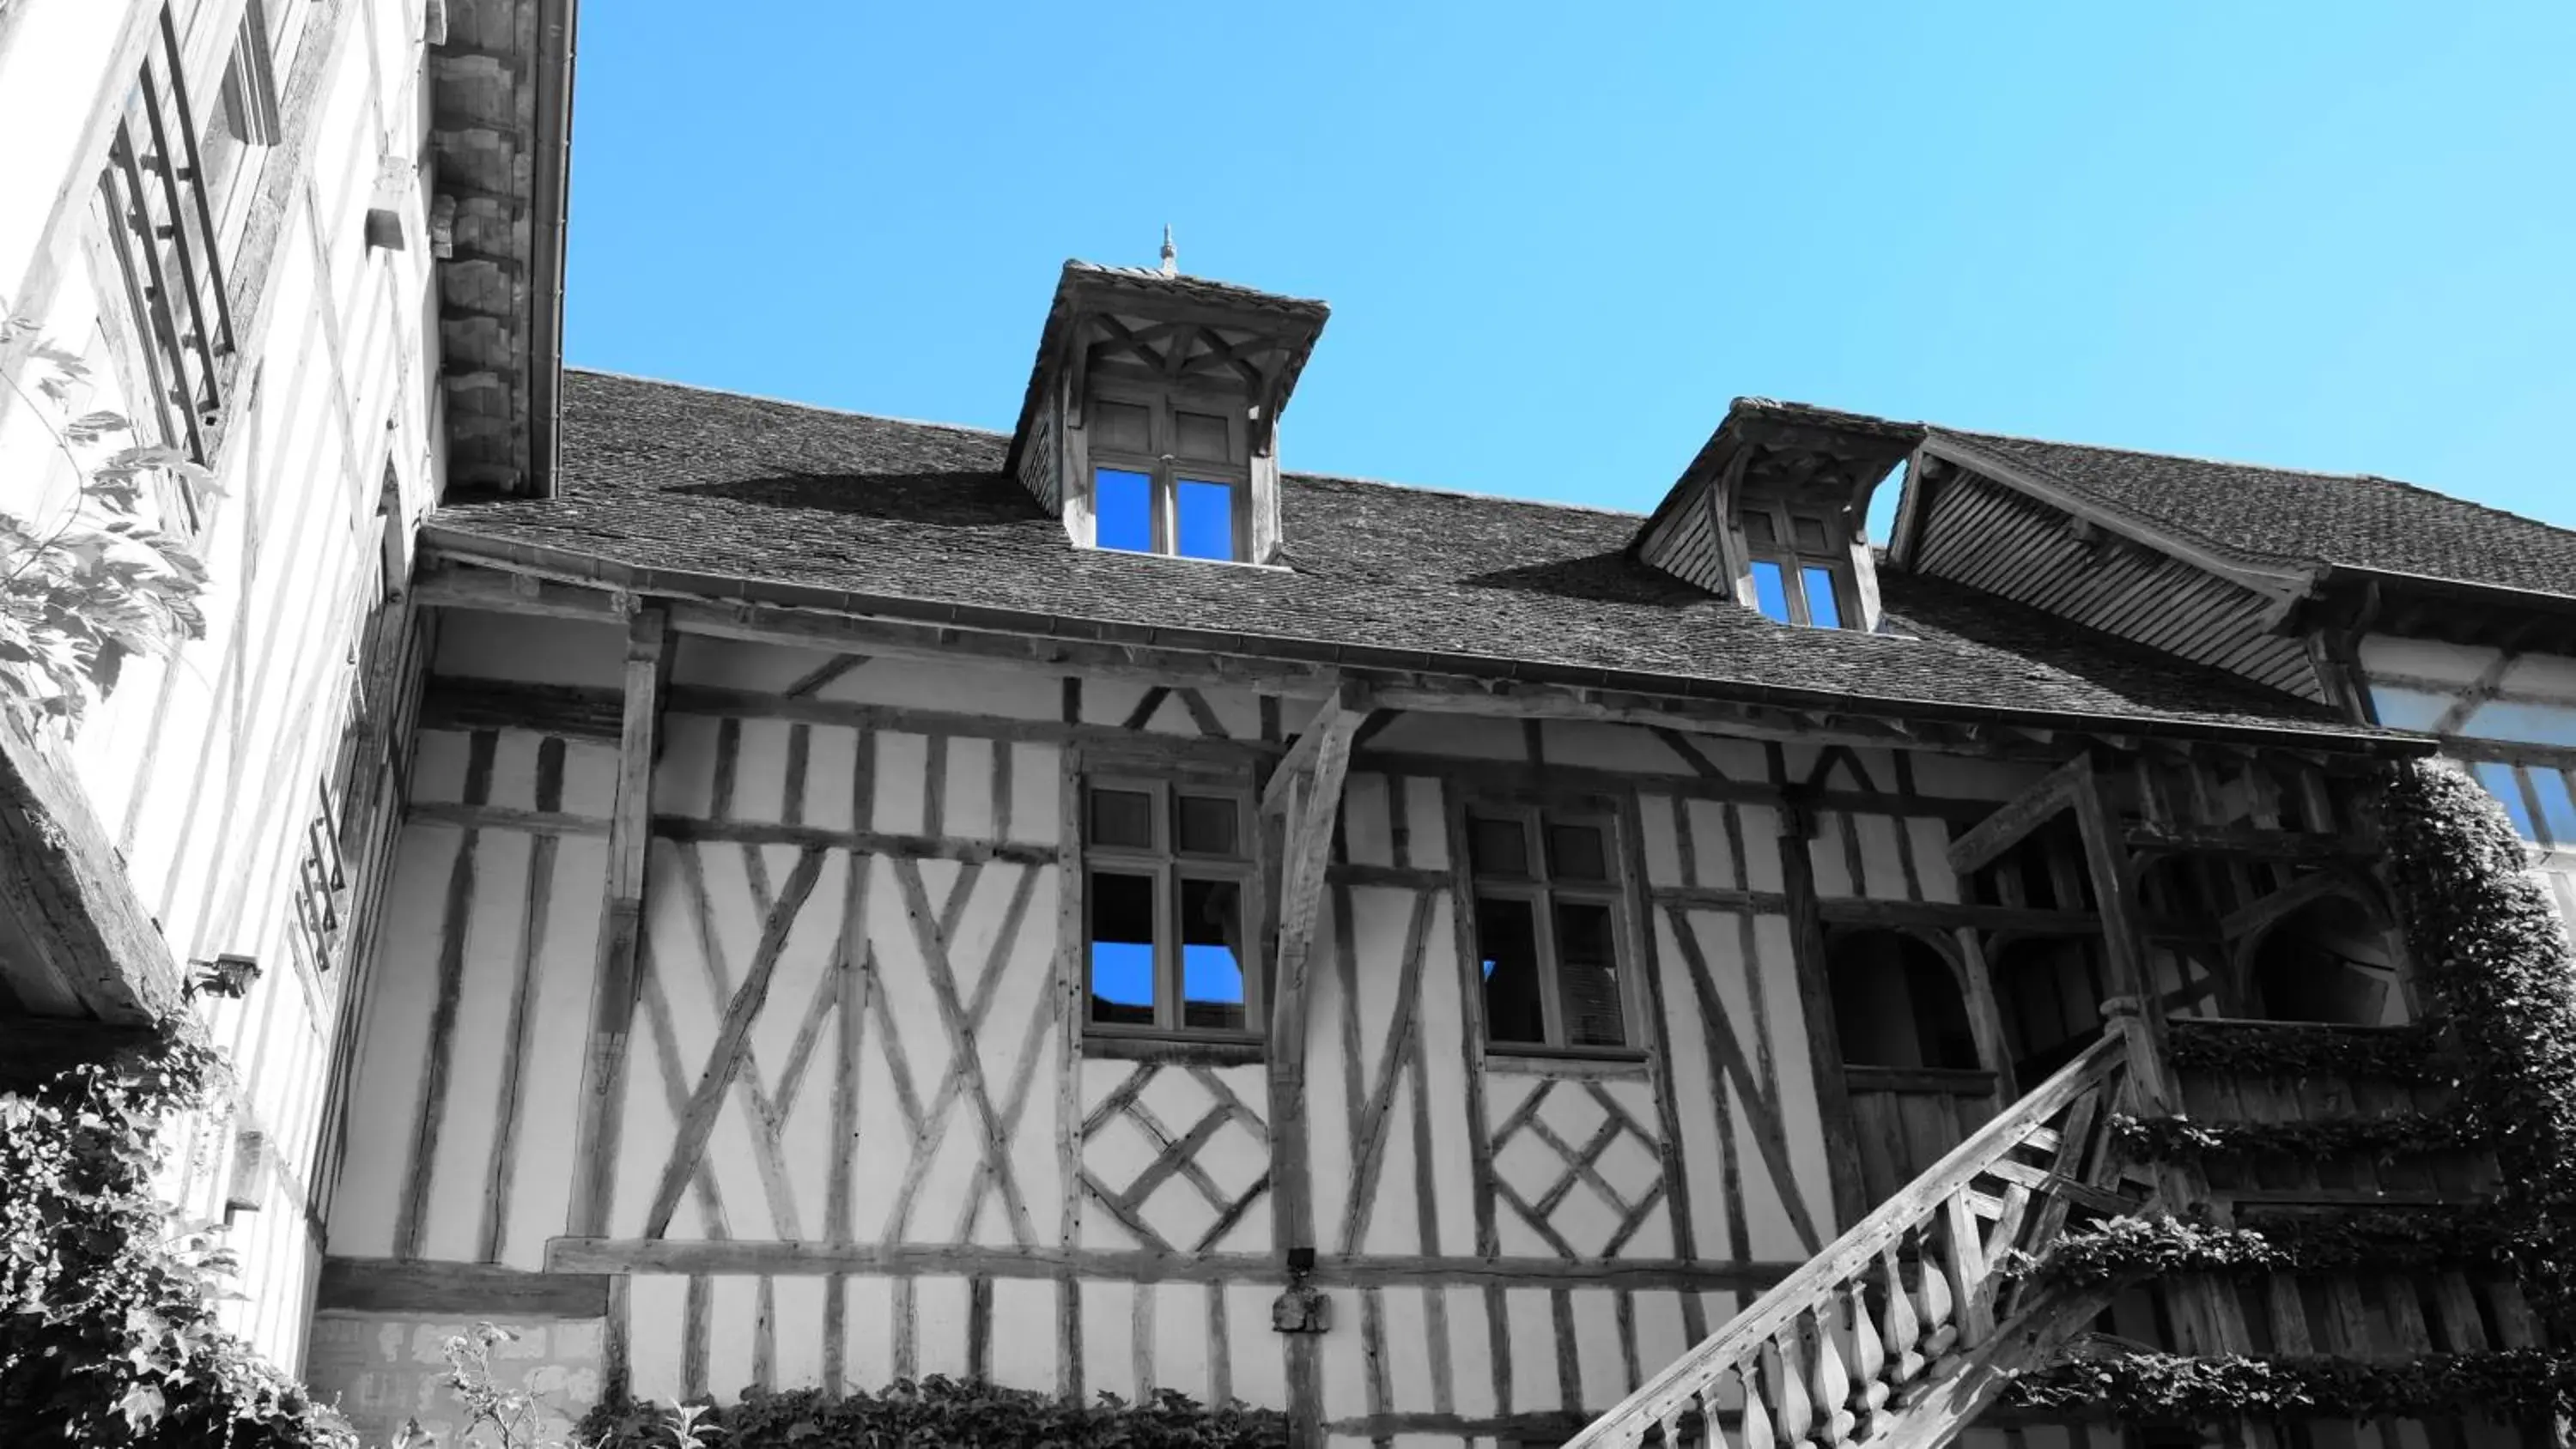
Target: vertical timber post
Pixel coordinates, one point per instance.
(621, 935)
(1300, 808)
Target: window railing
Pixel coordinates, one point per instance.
(162, 231)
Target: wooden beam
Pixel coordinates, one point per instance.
(1305, 815)
(736, 1256)
(461, 574)
(456, 1290)
(2114, 889)
(2014, 820)
(621, 934)
(78, 916)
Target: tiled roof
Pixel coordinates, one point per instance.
(668, 477)
(2282, 516)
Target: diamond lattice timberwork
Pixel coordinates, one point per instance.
(1175, 1155)
(1578, 1167)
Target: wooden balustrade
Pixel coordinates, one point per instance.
(1840, 1349)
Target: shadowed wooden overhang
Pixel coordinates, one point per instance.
(500, 132)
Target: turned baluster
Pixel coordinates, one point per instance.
(1787, 1371)
(1904, 1333)
(1964, 1252)
(1932, 1303)
(1827, 1381)
(1755, 1430)
(1671, 1424)
(1868, 1358)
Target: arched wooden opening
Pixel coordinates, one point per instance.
(2331, 960)
(1898, 1003)
(2049, 990)
(1917, 1083)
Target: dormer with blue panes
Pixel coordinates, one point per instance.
(1151, 420)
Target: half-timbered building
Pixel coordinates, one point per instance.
(1091, 909)
(750, 895)
(313, 247)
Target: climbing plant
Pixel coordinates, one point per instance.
(2492, 960)
(938, 1410)
(109, 1334)
(90, 579)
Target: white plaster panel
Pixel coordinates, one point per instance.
(589, 778)
(967, 806)
(1409, 1348)
(1825, 853)
(1024, 1333)
(550, 1092)
(1259, 1352)
(1531, 1320)
(943, 1309)
(476, 1045)
(1596, 1344)
(1344, 1361)
(1695, 1087)
(1108, 1337)
(1364, 820)
(868, 1332)
(2422, 658)
(1471, 1357)
(1181, 1341)
(1623, 748)
(657, 1305)
(1037, 793)
(733, 1316)
(684, 777)
(1658, 844)
(831, 767)
(903, 762)
(760, 770)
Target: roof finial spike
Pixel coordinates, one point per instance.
(1171, 254)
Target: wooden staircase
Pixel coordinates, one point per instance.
(1902, 1330)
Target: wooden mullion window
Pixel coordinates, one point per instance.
(1164, 861)
(1167, 442)
(1552, 928)
(1800, 553)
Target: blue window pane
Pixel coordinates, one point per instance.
(1123, 502)
(1211, 968)
(1823, 609)
(1206, 513)
(1122, 949)
(1770, 590)
(2499, 780)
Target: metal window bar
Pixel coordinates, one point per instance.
(177, 292)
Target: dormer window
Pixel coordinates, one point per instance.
(1170, 475)
(1801, 566)
(1769, 513)
(1151, 422)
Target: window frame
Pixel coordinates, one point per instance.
(1541, 890)
(1168, 867)
(1783, 551)
(1165, 469)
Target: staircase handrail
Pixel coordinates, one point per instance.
(1808, 1290)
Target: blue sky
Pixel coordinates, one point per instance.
(1557, 239)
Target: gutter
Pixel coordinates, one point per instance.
(467, 547)
(558, 22)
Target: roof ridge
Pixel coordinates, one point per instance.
(787, 402)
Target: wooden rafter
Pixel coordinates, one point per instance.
(2014, 820)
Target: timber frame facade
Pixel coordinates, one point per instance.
(1624, 978)
(735, 1023)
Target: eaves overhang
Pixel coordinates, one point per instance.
(449, 543)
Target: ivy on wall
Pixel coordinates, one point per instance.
(2492, 960)
(2503, 1385)
(2180, 1139)
(109, 1335)
(938, 1410)
(2298, 1050)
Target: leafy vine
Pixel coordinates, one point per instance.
(110, 1334)
(938, 1410)
(2503, 1384)
(2300, 1049)
(99, 580)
